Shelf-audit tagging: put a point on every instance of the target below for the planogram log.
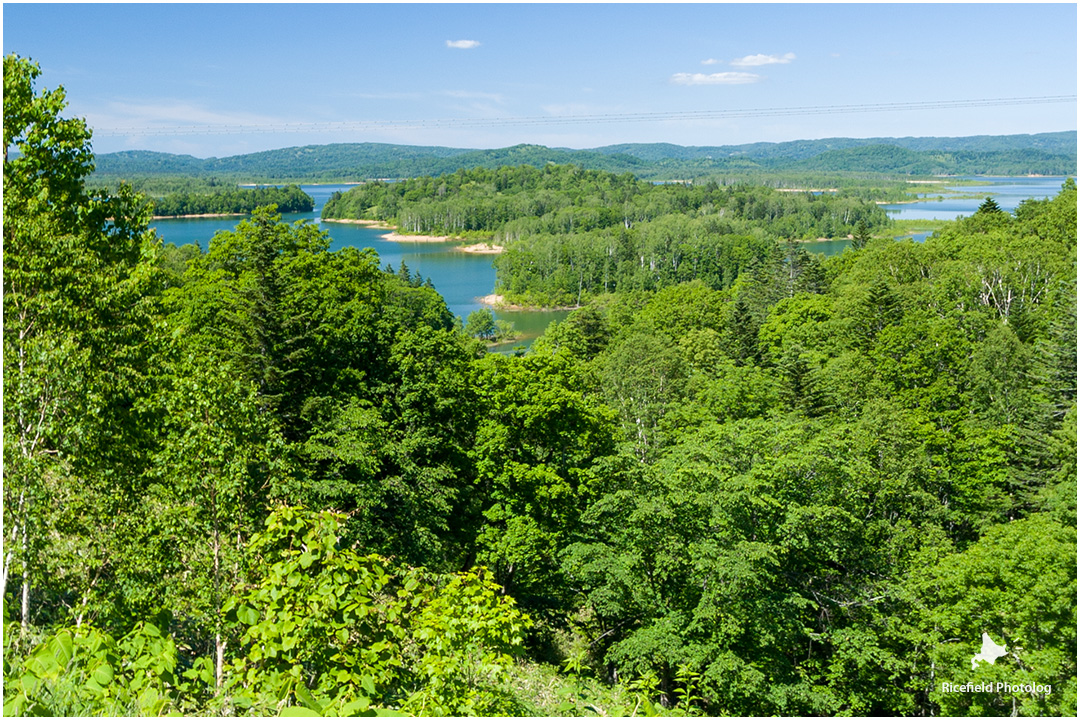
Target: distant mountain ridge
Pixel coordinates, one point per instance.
(1061, 143)
(1043, 154)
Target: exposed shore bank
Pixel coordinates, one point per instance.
(198, 215)
(498, 302)
(395, 236)
(482, 249)
(369, 223)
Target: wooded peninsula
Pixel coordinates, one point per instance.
(739, 479)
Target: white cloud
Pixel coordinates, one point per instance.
(755, 60)
(472, 95)
(462, 44)
(710, 61)
(170, 114)
(723, 78)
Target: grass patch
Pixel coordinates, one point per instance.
(543, 691)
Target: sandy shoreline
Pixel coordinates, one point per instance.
(482, 249)
(395, 236)
(498, 302)
(315, 184)
(398, 237)
(201, 215)
(369, 223)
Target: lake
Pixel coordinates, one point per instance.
(1008, 192)
(461, 278)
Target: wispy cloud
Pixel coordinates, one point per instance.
(463, 44)
(722, 78)
(473, 95)
(756, 60)
(710, 61)
(147, 116)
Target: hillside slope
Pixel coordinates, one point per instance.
(1046, 154)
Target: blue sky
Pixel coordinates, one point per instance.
(217, 80)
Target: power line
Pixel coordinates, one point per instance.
(546, 120)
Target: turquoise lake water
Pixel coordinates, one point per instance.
(1008, 193)
(463, 278)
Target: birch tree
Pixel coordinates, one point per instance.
(78, 281)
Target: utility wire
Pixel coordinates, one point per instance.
(351, 126)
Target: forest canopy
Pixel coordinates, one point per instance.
(232, 201)
(270, 479)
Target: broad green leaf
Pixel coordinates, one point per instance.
(247, 615)
(103, 675)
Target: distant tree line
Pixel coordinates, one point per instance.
(1048, 153)
(901, 161)
(233, 201)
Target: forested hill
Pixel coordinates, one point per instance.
(356, 161)
(1043, 154)
(1063, 143)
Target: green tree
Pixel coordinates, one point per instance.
(644, 375)
(326, 628)
(218, 454)
(481, 324)
(540, 443)
(989, 206)
(79, 281)
(861, 236)
(1018, 585)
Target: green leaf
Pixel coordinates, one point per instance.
(61, 648)
(247, 615)
(298, 711)
(148, 701)
(305, 698)
(103, 675)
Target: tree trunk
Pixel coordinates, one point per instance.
(219, 646)
(25, 591)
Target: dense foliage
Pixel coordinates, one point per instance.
(271, 479)
(902, 161)
(232, 201)
(571, 233)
